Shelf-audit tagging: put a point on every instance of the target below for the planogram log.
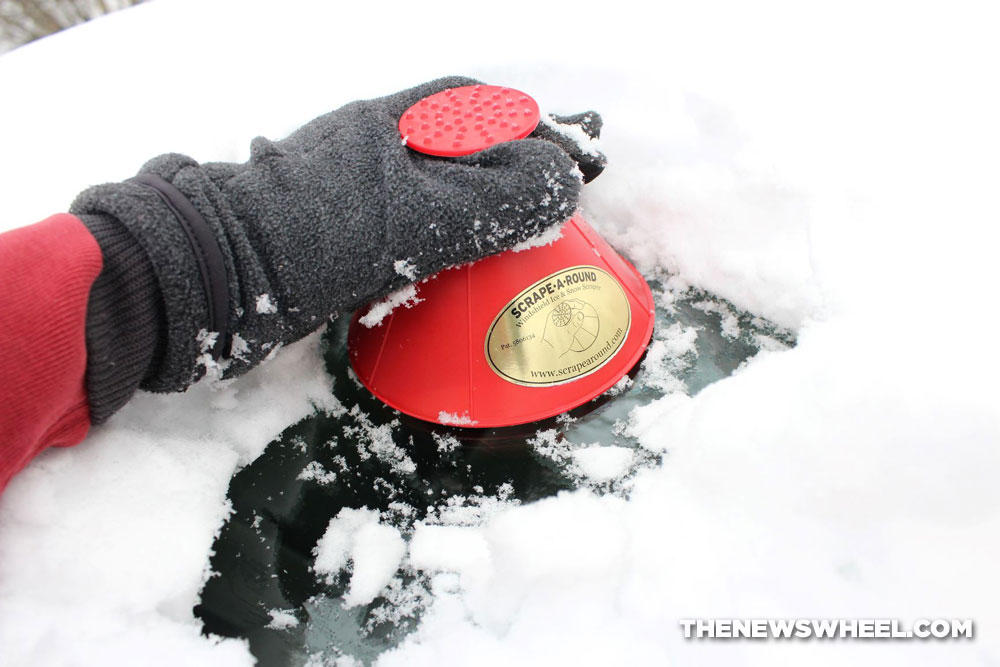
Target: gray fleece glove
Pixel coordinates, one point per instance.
(216, 265)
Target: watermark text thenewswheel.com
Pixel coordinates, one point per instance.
(802, 628)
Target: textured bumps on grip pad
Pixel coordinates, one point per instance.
(462, 121)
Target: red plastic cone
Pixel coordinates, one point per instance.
(511, 339)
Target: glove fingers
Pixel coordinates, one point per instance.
(493, 200)
(577, 135)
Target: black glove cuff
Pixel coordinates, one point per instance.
(140, 213)
(207, 253)
(126, 328)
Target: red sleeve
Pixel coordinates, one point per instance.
(46, 271)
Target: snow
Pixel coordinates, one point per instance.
(405, 268)
(378, 551)
(239, 348)
(265, 306)
(548, 237)
(334, 549)
(575, 133)
(475, 510)
(455, 419)
(206, 339)
(670, 350)
(314, 470)
(378, 311)
(657, 423)
(831, 169)
(282, 619)
(603, 464)
(622, 385)
(448, 549)
(375, 551)
(377, 441)
(105, 545)
(445, 443)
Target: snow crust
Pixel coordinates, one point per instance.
(830, 169)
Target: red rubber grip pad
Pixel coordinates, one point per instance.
(462, 121)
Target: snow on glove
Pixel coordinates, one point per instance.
(216, 265)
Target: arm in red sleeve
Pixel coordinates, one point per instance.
(46, 274)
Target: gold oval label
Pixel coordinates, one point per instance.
(565, 326)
